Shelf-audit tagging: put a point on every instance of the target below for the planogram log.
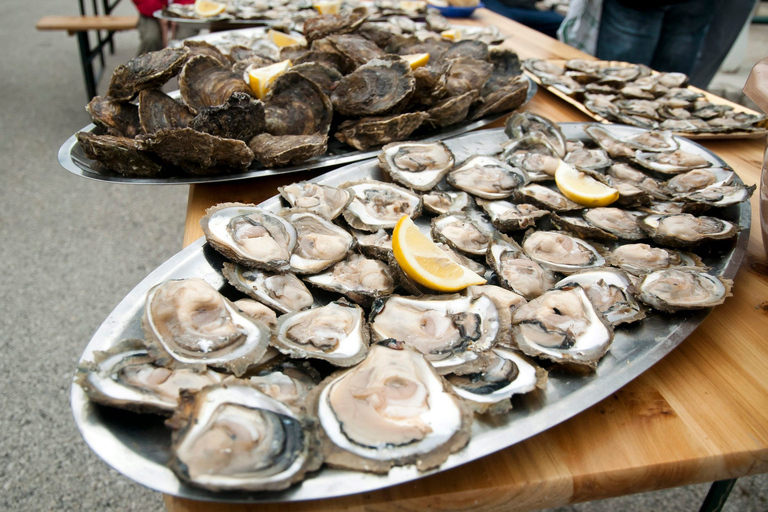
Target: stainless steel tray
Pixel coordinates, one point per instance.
(138, 445)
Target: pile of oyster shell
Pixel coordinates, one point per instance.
(334, 356)
(634, 94)
(349, 80)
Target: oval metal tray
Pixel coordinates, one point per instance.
(138, 445)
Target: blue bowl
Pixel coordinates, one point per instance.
(456, 12)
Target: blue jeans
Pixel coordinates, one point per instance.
(667, 38)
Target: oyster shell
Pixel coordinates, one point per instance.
(158, 111)
(187, 321)
(117, 118)
(336, 333)
(119, 154)
(417, 165)
(524, 124)
(377, 87)
(446, 201)
(146, 71)
(358, 278)
(125, 376)
(323, 200)
(506, 216)
(249, 235)
(327, 24)
(286, 150)
(466, 231)
(503, 99)
(319, 243)
(686, 230)
(231, 436)
(515, 270)
(204, 82)
(283, 292)
(295, 105)
(240, 117)
(289, 382)
(375, 131)
(561, 252)
(487, 177)
(452, 110)
(610, 291)
(681, 289)
(718, 196)
(378, 205)
(258, 311)
(403, 416)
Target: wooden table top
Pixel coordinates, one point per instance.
(699, 415)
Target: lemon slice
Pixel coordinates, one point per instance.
(329, 7)
(426, 263)
(281, 39)
(453, 34)
(261, 79)
(206, 8)
(416, 60)
(582, 188)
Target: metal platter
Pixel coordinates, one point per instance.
(138, 445)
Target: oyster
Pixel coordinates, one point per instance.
(231, 436)
(419, 166)
(375, 131)
(515, 270)
(718, 196)
(146, 71)
(378, 205)
(545, 198)
(323, 200)
(258, 311)
(446, 201)
(249, 235)
(323, 75)
(503, 99)
(686, 230)
(449, 330)
(467, 231)
(506, 216)
(286, 150)
(404, 415)
(187, 321)
(125, 376)
(119, 154)
(615, 147)
(287, 381)
(358, 278)
(562, 326)
(295, 105)
(158, 111)
(642, 258)
(240, 117)
(490, 391)
(319, 243)
(610, 291)
(467, 74)
(671, 162)
(561, 252)
(698, 179)
(336, 333)
(620, 223)
(118, 118)
(355, 49)
(451, 110)
(681, 289)
(377, 87)
(283, 292)
(589, 159)
(376, 245)
(204, 82)
(506, 302)
(487, 177)
(327, 24)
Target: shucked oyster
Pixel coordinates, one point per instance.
(561, 252)
(249, 235)
(610, 291)
(319, 243)
(282, 292)
(231, 436)
(642, 258)
(379, 205)
(683, 289)
(390, 410)
(487, 177)
(126, 376)
(468, 232)
(323, 200)
(416, 165)
(187, 321)
(358, 278)
(515, 270)
(686, 230)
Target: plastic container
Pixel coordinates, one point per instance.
(756, 89)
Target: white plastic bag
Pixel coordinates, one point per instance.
(581, 25)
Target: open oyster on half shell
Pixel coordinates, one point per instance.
(417, 165)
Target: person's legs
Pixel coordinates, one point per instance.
(546, 22)
(628, 34)
(150, 35)
(682, 35)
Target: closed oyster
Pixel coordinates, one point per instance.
(589, 159)
(446, 201)
(319, 243)
(158, 111)
(562, 326)
(506, 216)
(378, 205)
(326, 201)
(125, 376)
(285, 150)
(187, 321)
(230, 436)
(356, 49)
(417, 165)
(487, 177)
(467, 74)
(204, 82)
(508, 373)
(682, 289)
(515, 270)
(146, 71)
(686, 230)
(283, 292)
(118, 118)
(206, 48)
(336, 333)
(375, 88)
(561, 252)
(451, 110)
(369, 132)
(358, 278)
(467, 232)
(327, 24)
(610, 291)
(240, 117)
(295, 105)
(249, 235)
(119, 154)
(323, 75)
(502, 99)
(404, 415)
(449, 330)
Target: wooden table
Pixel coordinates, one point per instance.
(699, 415)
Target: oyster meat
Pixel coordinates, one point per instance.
(419, 166)
(561, 252)
(323, 200)
(378, 205)
(283, 292)
(487, 177)
(681, 289)
(358, 278)
(319, 242)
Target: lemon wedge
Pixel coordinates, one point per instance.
(281, 39)
(416, 60)
(454, 34)
(261, 79)
(330, 7)
(206, 8)
(582, 188)
(424, 262)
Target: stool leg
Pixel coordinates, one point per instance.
(87, 61)
(717, 496)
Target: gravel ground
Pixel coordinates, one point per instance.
(71, 250)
